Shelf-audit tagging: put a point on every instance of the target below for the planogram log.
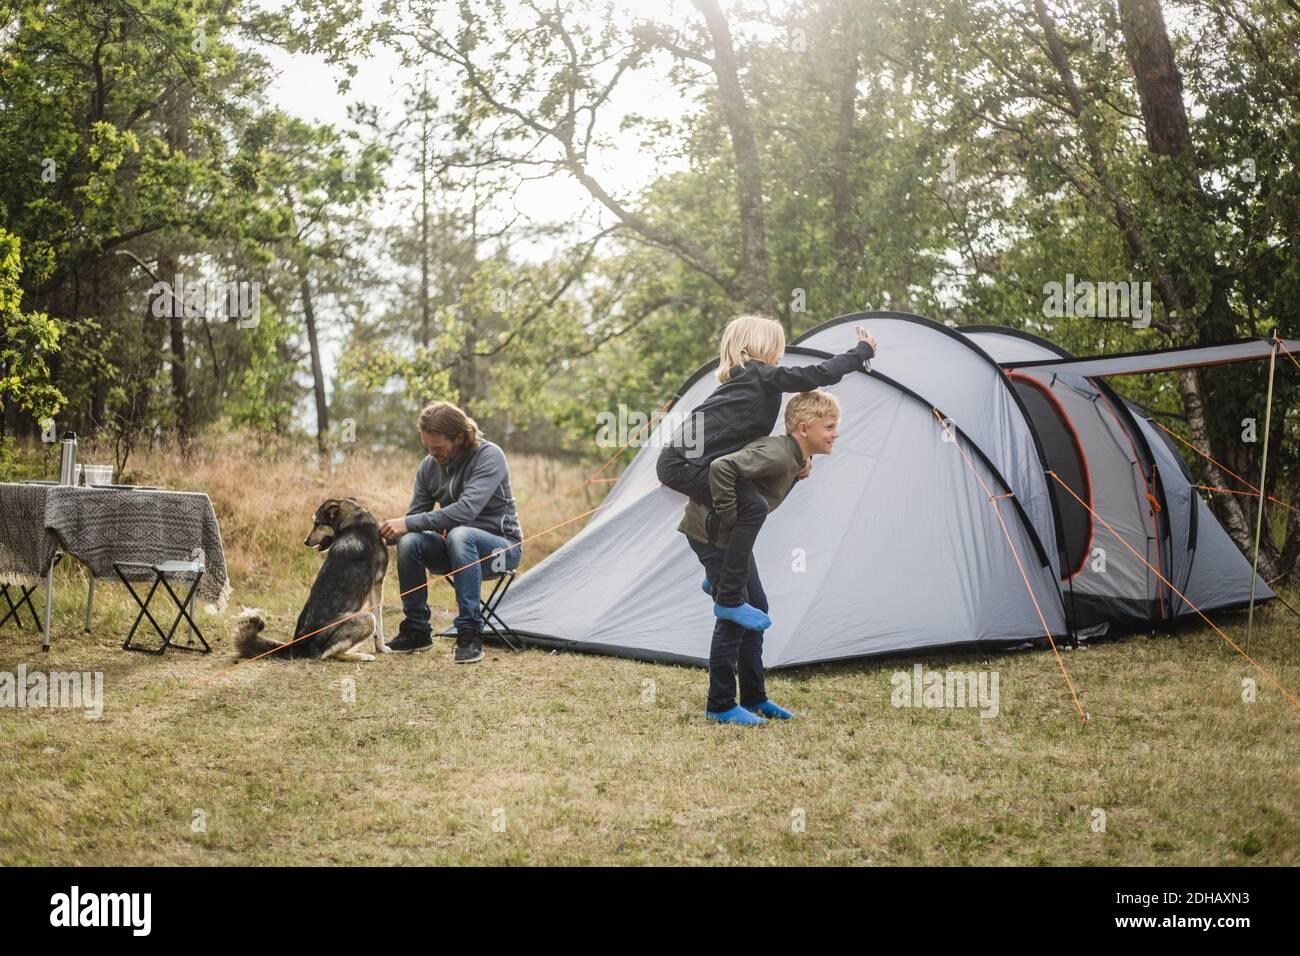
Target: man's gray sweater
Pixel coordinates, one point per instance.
(472, 491)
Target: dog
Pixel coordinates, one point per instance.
(348, 592)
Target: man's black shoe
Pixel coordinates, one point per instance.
(469, 647)
(408, 640)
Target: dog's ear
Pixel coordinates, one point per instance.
(328, 510)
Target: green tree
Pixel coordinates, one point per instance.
(27, 339)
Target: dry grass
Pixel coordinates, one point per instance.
(264, 499)
(573, 763)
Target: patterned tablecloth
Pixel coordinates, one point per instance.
(98, 526)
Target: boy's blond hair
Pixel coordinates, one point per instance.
(749, 337)
(808, 407)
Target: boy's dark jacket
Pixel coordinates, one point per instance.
(745, 406)
(769, 464)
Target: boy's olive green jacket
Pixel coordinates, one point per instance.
(769, 464)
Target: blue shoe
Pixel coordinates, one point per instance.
(775, 711)
(748, 617)
(706, 587)
(737, 715)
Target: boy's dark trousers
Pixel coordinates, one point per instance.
(737, 560)
(734, 649)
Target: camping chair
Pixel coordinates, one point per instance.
(493, 619)
(160, 573)
(488, 609)
(24, 598)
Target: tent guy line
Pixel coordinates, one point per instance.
(990, 338)
(1216, 628)
(993, 499)
(1207, 457)
(370, 607)
(590, 479)
(1248, 494)
(862, 538)
(396, 603)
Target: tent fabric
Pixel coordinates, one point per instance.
(1206, 567)
(1064, 455)
(1196, 542)
(848, 570)
(1114, 584)
(967, 387)
(910, 535)
(1157, 360)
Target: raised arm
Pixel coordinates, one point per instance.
(780, 379)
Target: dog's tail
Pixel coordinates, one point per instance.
(248, 636)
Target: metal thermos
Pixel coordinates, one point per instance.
(68, 459)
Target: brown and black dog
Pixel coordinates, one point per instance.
(348, 592)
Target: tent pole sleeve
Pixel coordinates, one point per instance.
(1263, 491)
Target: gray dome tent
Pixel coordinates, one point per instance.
(918, 531)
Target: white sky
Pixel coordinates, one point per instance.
(307, 87)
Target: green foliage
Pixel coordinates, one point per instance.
(264, 396)
(26, 341)
(936, 158)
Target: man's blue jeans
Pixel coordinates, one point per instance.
(418, 551)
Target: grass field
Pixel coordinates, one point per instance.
(540, 757)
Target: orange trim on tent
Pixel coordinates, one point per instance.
(1083, 459)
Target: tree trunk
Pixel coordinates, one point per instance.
(425, 322)
(1291, 548)
(317, 372)
(1156, 75)
(1160, 90)
(169, 266)
(749, 176)
(465, 372)
(1230, 510)
(846, 249)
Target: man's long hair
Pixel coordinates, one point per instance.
(444, 418)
